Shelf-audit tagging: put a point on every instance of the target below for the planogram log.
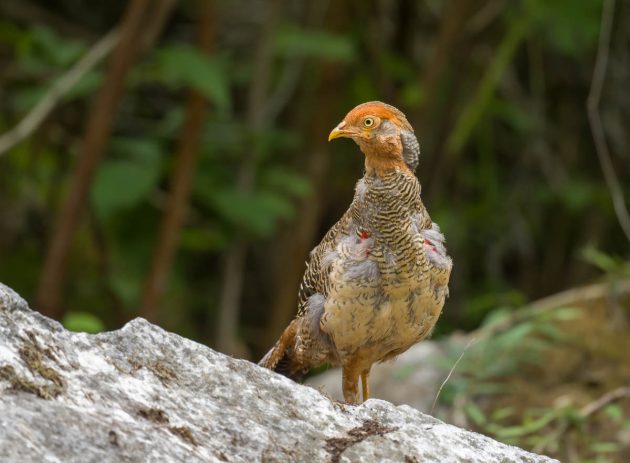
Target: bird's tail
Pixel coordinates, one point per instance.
(282, 359)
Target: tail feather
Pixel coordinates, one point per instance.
(282, 359)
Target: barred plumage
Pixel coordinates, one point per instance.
(376, 283)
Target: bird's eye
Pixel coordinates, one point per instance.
(368, 122)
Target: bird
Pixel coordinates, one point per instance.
(376, 283)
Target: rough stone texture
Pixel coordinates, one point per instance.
(141, 394)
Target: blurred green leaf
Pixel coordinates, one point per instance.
(125, 284)
(257, 212)
(183, 65)
(502, 413)
(120, 185)
(10, 33)
(563, 314)
(497, 316)
(529, 427)
(572, 27)
(143, 151)
(614, 412)
(83, 322)
(362, 88)
(475, 413)
(552, 332)
(411, 94)
(27, 97)
(287, 181)
(602, 260)
(124, 182)
(514, 336)
(578, 195)
(41, 50)
(520, 119)
(488, 302)
(203, 239)
(57, 50)
(478, 104)
(605, 447)
(293, 41)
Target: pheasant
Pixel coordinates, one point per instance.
(376, 283)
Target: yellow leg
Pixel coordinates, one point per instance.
(350, 384)
(365, 383)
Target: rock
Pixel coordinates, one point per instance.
(141, 394)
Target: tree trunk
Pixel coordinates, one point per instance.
(99, 126)
(181, 182)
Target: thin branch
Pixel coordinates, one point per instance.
(612, 396)
(98, 129)
(595, 121)
(556, 435)
(58, 90)
(461, 356)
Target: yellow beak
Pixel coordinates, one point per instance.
(339, 132)
(336, 133)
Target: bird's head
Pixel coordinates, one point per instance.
(381, 131)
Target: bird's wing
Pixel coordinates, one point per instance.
(282, 357)
(411, 149)
(317, 274)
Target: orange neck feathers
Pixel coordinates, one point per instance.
(383, 155)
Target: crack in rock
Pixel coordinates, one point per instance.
(337, 445)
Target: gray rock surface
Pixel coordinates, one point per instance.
(141, 394)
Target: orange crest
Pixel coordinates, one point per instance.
(379, 109)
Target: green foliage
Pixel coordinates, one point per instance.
(181, 65)
(41, 49)
(292, 41)
(572, 27)
(83, 322)
(127, 179)
(42, 53)
(515, 342)
(256, 213)
(578, 195)
(614, 412)
(486, 303)
(475, 414)
(475, 109)
(287, 181)
(208, 239)
(507, 342)
(613, 266)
